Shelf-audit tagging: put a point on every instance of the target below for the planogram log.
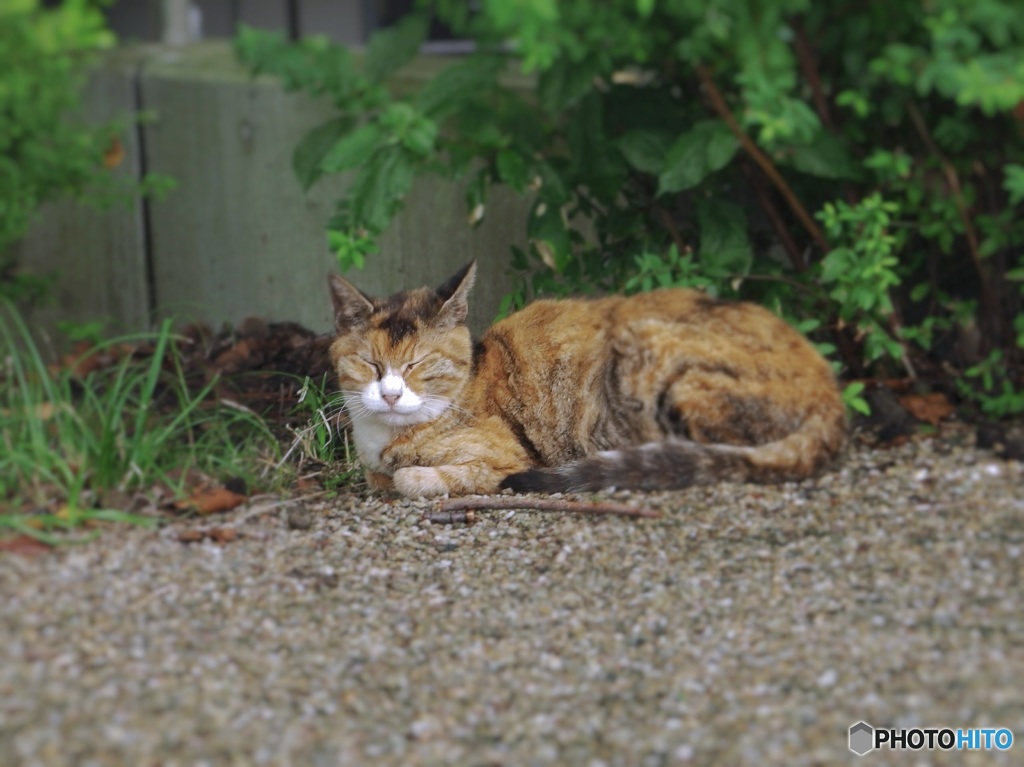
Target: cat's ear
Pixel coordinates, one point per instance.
(455, 293)
(352, 309)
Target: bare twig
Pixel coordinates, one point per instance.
(497, 503)
(795, 284)
(762, 160)
(781, 231)
(457, 517)
(666, 220)
(255, 511)
(809, 66)
(988, 295)
(896, 332)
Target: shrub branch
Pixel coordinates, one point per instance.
(666, 220)
(762, 160)
(989, 301)
(775, 218)
(809, 66)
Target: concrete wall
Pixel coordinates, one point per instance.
(98, 256)
(238, 237)
(343, 21)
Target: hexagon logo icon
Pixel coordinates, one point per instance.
(862, 738)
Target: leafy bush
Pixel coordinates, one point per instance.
(857, 167)
(45, 151)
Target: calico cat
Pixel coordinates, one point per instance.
(659, 390)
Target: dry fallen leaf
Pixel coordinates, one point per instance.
(547, 253)
(899, 439)
(190, 476)
(235, 358)
(114, 155)
(305, 485)
(211, 500)
(223, 534)
(84, 358)
(215, 534)
(44, 411)
(25, 545)
(930, 408)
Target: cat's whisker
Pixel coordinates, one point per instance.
(354, 408)
(443, 404)
(454, 412)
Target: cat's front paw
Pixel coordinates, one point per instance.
(419, 482)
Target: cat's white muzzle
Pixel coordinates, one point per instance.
(395, 404)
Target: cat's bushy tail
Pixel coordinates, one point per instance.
(677, 463)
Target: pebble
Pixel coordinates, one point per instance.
(299, 517)
(750, 625)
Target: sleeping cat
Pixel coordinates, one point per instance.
(655, 391)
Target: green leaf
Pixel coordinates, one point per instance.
(824, 157)
(514, 169)
(724, 246)
(627, 107)
(467, 79)
(1014, 183)
(722, 145)
(420, 136)
(553, 188)
(853, 389)
(480, 127)
(594, 160)
(257, 48)
(704, 149)
(856, 101)
(380, 186)
(392, 48)
(853, 399)
(836, 263)
(566, 82)
(352, 150)
(549, 236)
(645, 150)
(314, 147)
(920, 291)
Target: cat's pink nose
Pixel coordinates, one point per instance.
(391, 388)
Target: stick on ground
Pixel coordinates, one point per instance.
(482, 503)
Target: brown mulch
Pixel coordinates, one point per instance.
(261, 365)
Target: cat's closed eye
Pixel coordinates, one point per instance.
(410, 365)
(377, 367)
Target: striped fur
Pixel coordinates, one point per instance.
(660, 390)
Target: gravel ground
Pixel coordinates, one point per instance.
(751, 625)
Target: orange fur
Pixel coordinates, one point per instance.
(659, 390)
